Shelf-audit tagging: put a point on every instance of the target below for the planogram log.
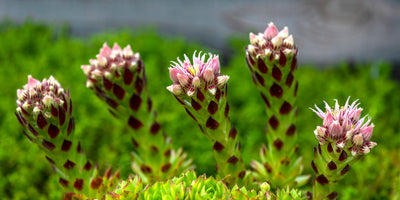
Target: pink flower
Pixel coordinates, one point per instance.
(343, 127)
(200, 73)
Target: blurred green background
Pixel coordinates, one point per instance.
(43, 50)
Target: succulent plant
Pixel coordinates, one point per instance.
(117, 76)
(272, 59)
(202, 90)
(343, 138)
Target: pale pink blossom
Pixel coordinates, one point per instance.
(343, 127)
(196, 74)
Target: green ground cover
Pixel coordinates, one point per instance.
(40, 50)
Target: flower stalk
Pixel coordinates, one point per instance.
(117, 76)
(45, 112)
(272, 59)
(343, 139)
(202, 90)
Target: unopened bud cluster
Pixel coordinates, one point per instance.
(112, 63)
(272, 45)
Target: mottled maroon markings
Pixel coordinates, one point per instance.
(134, 102)
(291, 130)
(332, 166)
(149, 104)
(66, 145)
(107, 84)
(314, 167)
(179, 100)
(51, 161)
(111, 102)
(282, 59)
(139, 85)
(232, 133)
(212, 123)
(218, 146)
(78, 184)
(195, 105)
(165, 167)
(69, 165)
(128, 76)
(155, 127)
(345, 170)
(154, 149)
(21, 119)
(41, 121)
(226, 111)
(276, 73)
(260, 79)
(190, 114)
(118, 91)
(294, 64)
(32, 130)
(232, 160)
(65, 105)
(289, 79)
(241, 174)
(71, 126)
(167, 153)
(218, 94)
(321, 179)
(79, 148)
(329, 148)
(134, 123)
(343, 156)
(87, 166)
(266, 101)
(273, 122)
(332, 195)
(285, 108)
(61, 116)
(295, 88)
(134, 143)
(96, 182)
(200, 95)
(48, 145)
(276, 91)
(278, 144)
(145, 169)
(285, 161)
(212, 107)
(267, 167)
(250, 60)
(63, 182)
(261, 66)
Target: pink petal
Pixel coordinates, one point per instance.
(271, 31)
(105, 51)
(31, 82)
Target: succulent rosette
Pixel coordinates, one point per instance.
(117, 76)
(343, 138)
(45, 112)
(202, 90)
(272, 59)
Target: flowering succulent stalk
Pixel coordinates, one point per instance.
(45, 112)
(202, 90)
(272, 60)
(117, 76)
(343, 138)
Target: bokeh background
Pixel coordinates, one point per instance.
(347, 48)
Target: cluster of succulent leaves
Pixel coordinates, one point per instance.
(41, 50)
